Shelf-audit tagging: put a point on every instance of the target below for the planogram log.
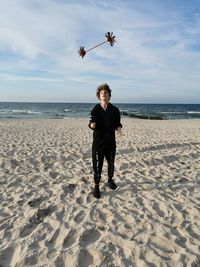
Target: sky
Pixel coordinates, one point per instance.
(156, 57)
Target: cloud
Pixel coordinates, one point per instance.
(157, 44)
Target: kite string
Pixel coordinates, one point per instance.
(96, 46)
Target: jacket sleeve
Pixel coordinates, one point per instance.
(92, 119)
(118, 120)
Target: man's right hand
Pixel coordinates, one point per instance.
(93, 125)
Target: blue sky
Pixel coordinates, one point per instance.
(156, 57)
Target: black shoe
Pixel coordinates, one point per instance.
(111, 184)
(96, 192)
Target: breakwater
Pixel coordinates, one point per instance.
(149, 117)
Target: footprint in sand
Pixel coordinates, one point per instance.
(14, 183)
(69, 239)
(80, 200)
(162, 244)
(85, 180)
(6, 256)
(60, 215)
(36, 219)
(36, 202)
(139, 200)
(98, 215)
(79, 217)
(59, 262)
(89, 237)
(40, 215)
(27, 230)
(158, 210)
(85, 259)
(69, 188)
(183, 180)
(196, 263)
(181, 241)
(50, 243)
(14, 163)
(54, 174)
(31, 260)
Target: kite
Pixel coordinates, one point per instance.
(110, 39)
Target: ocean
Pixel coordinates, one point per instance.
(12, 110)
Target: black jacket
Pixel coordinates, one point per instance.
(107, 121)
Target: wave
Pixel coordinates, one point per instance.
(173, 112)
(180, 112)
(193, 112)
(19, 111)
(24, 111)
(3, 111)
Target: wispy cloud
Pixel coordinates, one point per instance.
(157, 48)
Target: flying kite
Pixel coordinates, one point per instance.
(110, 39)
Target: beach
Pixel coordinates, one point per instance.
(49, 217)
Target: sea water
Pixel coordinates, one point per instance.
(17, 110)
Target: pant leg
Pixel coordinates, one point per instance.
(97, 160)
(110, 157)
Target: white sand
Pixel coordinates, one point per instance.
(49, 217)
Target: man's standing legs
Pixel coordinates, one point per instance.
(97, 160)
(110, 157)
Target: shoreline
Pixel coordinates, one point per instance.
(123, 117)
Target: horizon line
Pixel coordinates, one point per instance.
(146, 103)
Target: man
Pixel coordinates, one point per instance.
(104, 120)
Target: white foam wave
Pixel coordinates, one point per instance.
(172, 112)
(193, 112)
(24, 111)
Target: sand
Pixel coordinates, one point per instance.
(49, 217)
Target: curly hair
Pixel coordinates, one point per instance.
(101, 87)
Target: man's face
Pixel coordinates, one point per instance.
(104, 95)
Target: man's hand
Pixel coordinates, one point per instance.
(93, 125)
(119, 131)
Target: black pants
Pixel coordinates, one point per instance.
(97, 160)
